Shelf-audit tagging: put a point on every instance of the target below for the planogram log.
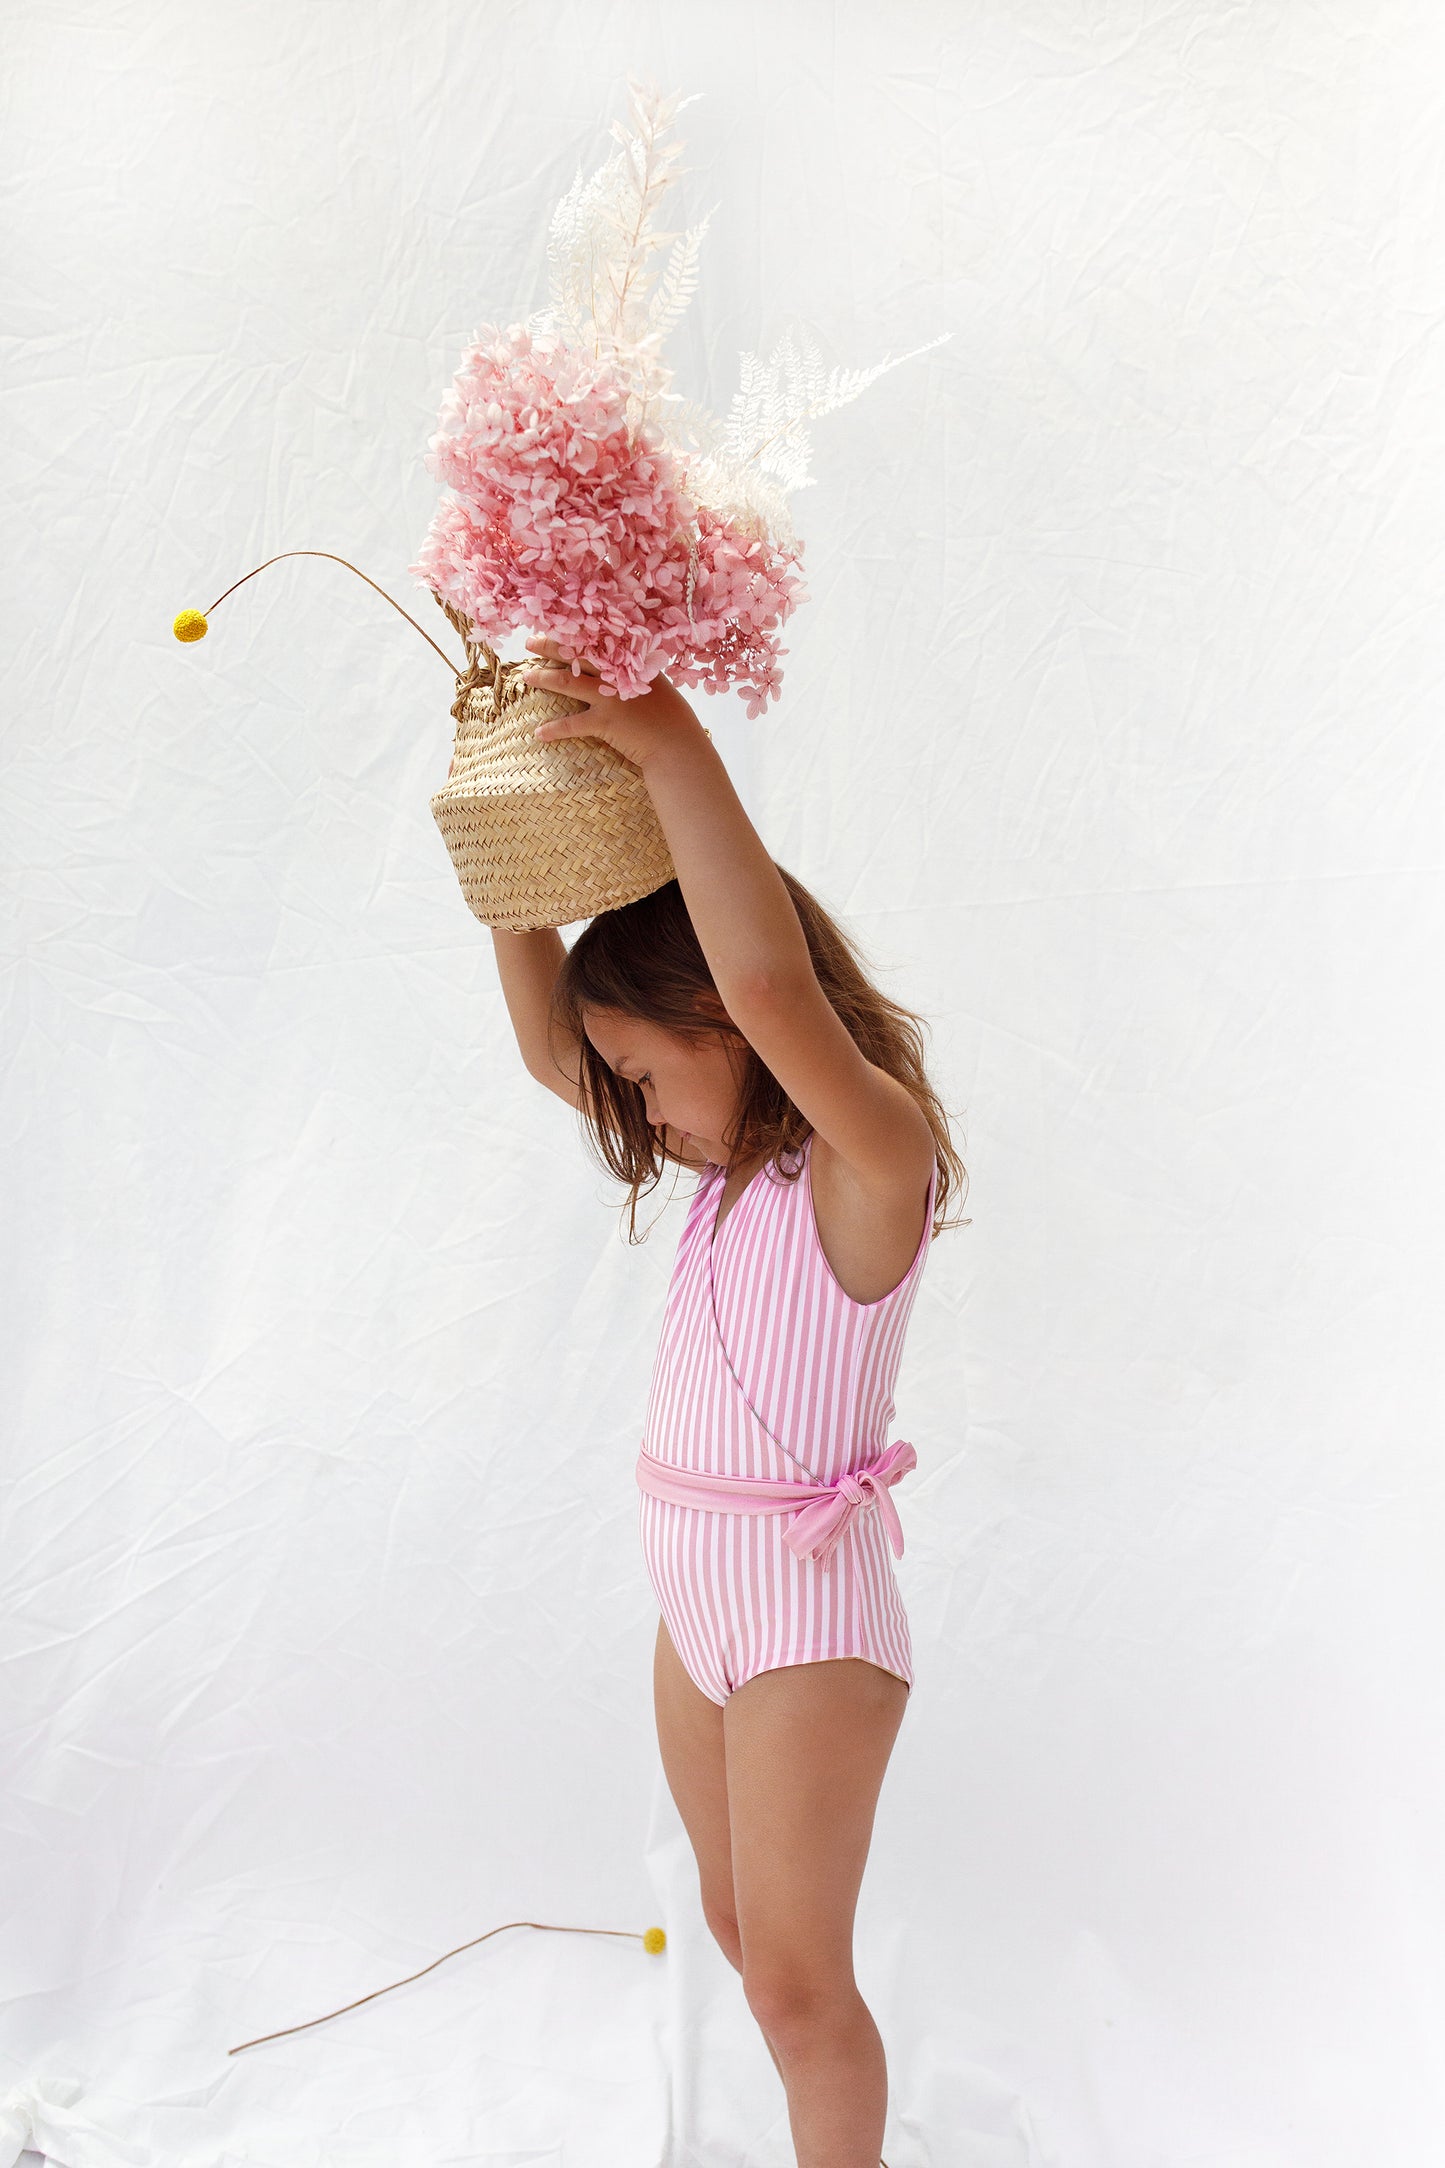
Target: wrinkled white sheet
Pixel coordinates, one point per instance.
(1113, 728)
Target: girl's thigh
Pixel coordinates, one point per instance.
(807, 1747)
(690, 1737)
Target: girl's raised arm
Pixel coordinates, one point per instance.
(749, 932)
(527, 965)
(744, 918)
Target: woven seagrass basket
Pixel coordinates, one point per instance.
(540, 834)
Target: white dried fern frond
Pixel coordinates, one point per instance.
(602, 243)
(691, 430)
(678, 283)
(763, 452)
(607, 297)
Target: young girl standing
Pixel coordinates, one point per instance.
(724, 1023)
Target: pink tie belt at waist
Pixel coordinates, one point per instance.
(826, 1510)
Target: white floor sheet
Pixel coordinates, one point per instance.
(1113, 729)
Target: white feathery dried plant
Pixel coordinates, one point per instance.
(601, 245)
(608, 294)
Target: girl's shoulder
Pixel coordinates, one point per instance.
(870, 1244)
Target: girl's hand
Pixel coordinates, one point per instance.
(636, 728)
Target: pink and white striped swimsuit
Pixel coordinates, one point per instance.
(765, 1368)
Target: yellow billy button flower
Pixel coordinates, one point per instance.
(654, 1942)
(190, 625)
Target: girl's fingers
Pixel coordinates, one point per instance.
(549, 651)
(567, 726)
(559, 681)
(558, 678)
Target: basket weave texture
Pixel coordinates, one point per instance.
(539, 834)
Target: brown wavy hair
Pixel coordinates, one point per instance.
(645, 960)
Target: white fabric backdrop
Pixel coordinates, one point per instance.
(1113, 730)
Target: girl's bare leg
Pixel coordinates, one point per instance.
(777, 1795)
(806, 1748)
(690, 1735)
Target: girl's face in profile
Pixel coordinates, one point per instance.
(689, 1088)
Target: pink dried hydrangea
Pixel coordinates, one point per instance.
(561, 522)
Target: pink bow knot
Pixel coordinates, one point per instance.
(816, 1531)
(819, 1513)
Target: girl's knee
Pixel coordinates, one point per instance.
(722, 1924)
(794, 2002)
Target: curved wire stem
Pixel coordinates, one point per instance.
(431, 643)
(626, 1933)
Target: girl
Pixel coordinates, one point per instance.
(723, 1023)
